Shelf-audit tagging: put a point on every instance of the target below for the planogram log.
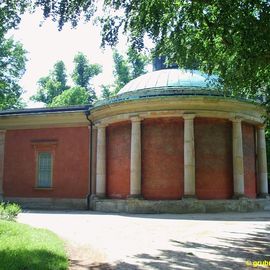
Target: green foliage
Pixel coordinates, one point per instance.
(52, 85)
(24, 247)
(137, 61)
(84, 71)
(9, 211)
(10, 12)
(53, 89)
(121, 71)
(106, 91)
(228, 38)
(73, 96)
(126, 69)
(12, 67)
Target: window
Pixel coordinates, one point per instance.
(45, 150)
(44, 169)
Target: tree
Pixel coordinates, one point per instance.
(73, 96)
(52, 85)
(126, 69)
(12, 68)
(228, 38)
(84, 71)
(106, 91)
(121, 71)
(137, 61)
(60, 75)
(10, 14)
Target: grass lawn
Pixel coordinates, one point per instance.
(25, 248)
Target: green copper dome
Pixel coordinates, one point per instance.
(164, 83)
(167, 78)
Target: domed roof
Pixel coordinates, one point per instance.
(167, 78)
(165, 83)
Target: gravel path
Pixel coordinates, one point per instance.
(190, 241)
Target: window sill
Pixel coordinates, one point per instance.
(43, 188)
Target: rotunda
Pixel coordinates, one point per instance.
(169, 135)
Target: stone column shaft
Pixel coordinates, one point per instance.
(238, 161)
(189, 156)
(94, 159)
(262, 162)
(2, 151)
(101, 161)
(135, 157)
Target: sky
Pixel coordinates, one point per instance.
(46, 45)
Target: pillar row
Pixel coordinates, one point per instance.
(101, 161)
(135, 157)
(238, 161)
(189, 156)
(262, 162)
(2, 151)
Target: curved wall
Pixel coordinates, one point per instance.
(118, 160)
(162, 158)
(213, 155)
(249, 159)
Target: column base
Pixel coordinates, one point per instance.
(135, 196)
(189, 197)
(261, 195)
(1, 197)
(239, 196)
(99, 196)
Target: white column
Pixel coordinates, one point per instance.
(135, 157)
(94, 160)
(189, 156)
(101, 161)
(2, 151)
(262, 162)
(238, 162)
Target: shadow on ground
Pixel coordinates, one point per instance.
(23, 259)
(231, 253)
(227, 216)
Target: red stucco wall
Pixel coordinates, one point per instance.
(118, 160)
(249, 159)
(213, 151)
(70, 166)
(162, 158)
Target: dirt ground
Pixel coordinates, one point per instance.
(191, 241)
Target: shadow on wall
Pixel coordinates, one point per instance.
(252, 248)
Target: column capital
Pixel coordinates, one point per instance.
(135, 118)
(189, 116)
(100, 125)
(261, 126)
(236, 119)
(2, 132)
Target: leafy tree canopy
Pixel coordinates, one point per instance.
(12, 67)
(52, 85)
(84, 71)
(10, 14)
(73, 96)
(229, 38)
(128, 68)
(54, 91)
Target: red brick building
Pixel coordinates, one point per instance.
(165, 137)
